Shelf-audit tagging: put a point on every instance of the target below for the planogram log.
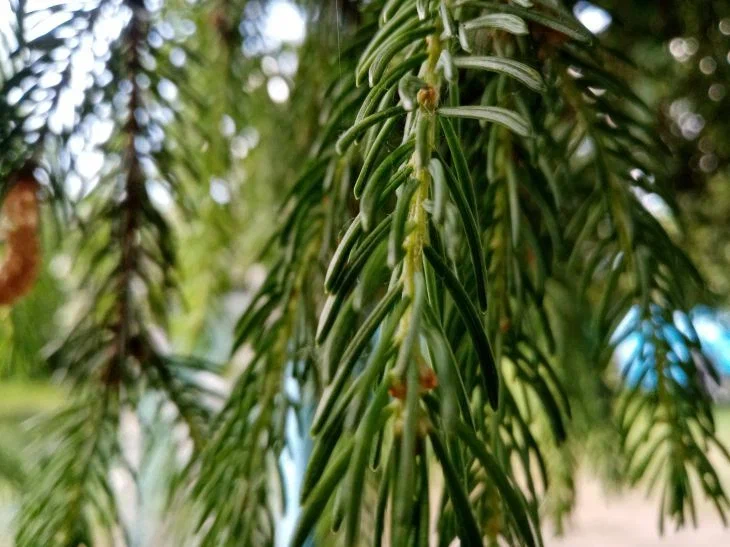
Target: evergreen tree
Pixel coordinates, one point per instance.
(462, 244)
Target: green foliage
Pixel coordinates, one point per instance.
(472, 164)
(681, 49)
(73, 490)
(124, 258)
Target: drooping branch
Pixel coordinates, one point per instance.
(127, 260)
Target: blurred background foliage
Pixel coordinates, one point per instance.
(682, 51)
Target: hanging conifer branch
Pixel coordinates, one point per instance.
(410, 230)
(128, 261)
(523, 251)
(278, 326)
(648, 279)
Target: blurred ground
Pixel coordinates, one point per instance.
(630, 520)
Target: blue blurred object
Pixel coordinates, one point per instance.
(636, 351)
(713, 328)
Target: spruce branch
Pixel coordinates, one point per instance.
(232, 480)
(69, 492)
(127, 264)
(648, 285)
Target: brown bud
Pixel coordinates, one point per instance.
(530, 256)
(428, 379)
(505, 325)
(398, 390)
(428, 98)
(547, 39)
